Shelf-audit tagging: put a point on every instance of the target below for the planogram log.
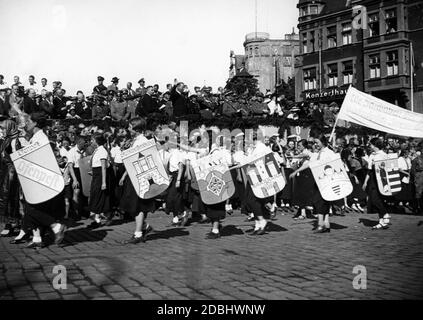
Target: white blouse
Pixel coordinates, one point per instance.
(99, 154)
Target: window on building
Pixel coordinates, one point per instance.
(374, 65)
(313, 41)
(392, 63)
(303, 11)
(314, 9)
(333, 74)
(305, 47)
(348, 72)
(251, 51)
(346, 33)
(310, 79)
(256, 51)
(391, 21)
(332, 43)
(374, 24)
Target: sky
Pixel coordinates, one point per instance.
(75, 41)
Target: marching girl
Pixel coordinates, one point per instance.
(130, 202)
(118, 169)
(47, 213)
(286, 193)
(375, 199)
(303, 182)
(174, 197)
(9, 184)
(321, 206)
(99, 202)
(253, 204)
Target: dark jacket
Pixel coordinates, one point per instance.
(147, 106)
(30, 105)
(47, 107)
(179, 102)
(60, 108)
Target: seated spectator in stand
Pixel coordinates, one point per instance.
(30, 106)
(156, 93)
(257, 107)
(317, 113)
(273, 106)
(72, 113)
(45, 86)
(147, 104)
(32, 85)
(119, 108)
(328, 116)
(46, 104)
(83, 107)
(166, 105)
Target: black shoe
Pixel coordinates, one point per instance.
(254, 232)
(58, 237)
(35, 245)
(212, 235)
(135, 240)
(148, 230)
(94, 225)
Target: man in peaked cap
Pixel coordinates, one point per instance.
(100, 88)
(141, 90)
(114, 85)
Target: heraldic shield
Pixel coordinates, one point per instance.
(332, 179)
(86, 175)
(264, 175)
(146, 170)
(214, 178)
(38, 172)
(387, 175)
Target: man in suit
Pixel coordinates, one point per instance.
(4, 106)
(30, 105)
(46, 104)
(147, 104)
(59, 101)
(179, 100)
(15, 100)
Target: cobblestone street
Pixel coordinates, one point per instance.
(289, 262)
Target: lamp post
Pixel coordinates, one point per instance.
(276, 59)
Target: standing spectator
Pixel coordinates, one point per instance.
(417, 178)
(119, 108)
(3, 85)
(114, 85)
(4, 106)
(100, 88)
(59, 102)
(45, 86)
(100, 110)
(156, 93)
(30, 106)
(179, 100)
(32, 84)
(141, 90)
(131, 103)
(46, 104)
(16, 81)
(147, 104)
(16, 101)
(130, 91)
(83, 107)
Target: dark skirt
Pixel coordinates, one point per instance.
(215, 211)
(198, 205)
(131, 203)
(252, 203)
(99, 199)
(375, 200)
(9, 190)
(302, 189)
(286, 193)
(407, 192)
(44, 214)
(174, 197)
(357, 195)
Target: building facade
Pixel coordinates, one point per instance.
(363, 43)
(269, 60)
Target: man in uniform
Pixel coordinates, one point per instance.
(114, 85)
(100, 88)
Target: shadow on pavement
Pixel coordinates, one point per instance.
(230, 230)
(83, 235)
(367, 222)
(167, 234)
(336, 226)
(271, 227)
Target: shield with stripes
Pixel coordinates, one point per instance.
(265, 175)
(332, 179)
(387, 175)
(38, 172)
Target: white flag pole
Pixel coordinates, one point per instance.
(336, 121)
